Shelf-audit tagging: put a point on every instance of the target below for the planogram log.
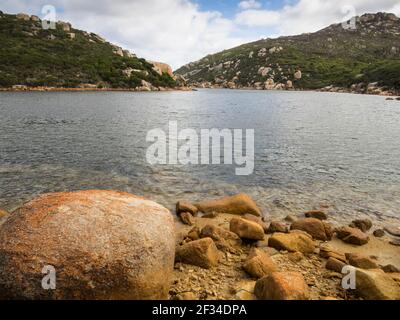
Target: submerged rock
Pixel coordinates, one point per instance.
(259, 264)
(395, 242)
(394, 231)
(202, 253)
(379, 233)
(246, 229)
(3, 213)
(102, 245)
(317, 214)
(282, 286)
(239, 204)
(363, 224)
(277, 226)
(290, 218)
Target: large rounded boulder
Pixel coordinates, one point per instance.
(95, 244)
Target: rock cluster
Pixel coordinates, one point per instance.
(253, 248)
(113, 245)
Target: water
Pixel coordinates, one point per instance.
(311, 148)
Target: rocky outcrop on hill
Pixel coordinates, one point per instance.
(336, 59)
(161, 68)
(47, 58)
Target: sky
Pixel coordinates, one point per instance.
(181, 31)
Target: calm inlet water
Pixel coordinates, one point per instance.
(311, 148)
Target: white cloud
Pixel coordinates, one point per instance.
(178, 31)
(249, 4)
(312, 15)
(258, 18)
(172, 31)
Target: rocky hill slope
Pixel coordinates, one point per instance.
(33, 56)
(364, 59)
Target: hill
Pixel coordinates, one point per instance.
(33, 56)
(364, 59)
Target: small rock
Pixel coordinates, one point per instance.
(390, 269)
(259, 264)
(224, 239)
(239, 204)
(296, 256)
(187, 218)
(282, 286)
(293, 241)
(352, 236)
(290, 218)
(363, 224)
(327, 252)
(211, 215)
(3, 213)
(376, 285)
(277, 226)
(246, 229)
(194, 234)
(360, 261)
(202, 253)
(394, 231)
(317, 214)
(257, 220)
(335, 265)
(184, 206)
(316, 228)
(379, 233)
(395, 242)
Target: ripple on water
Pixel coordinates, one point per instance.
(311, 148)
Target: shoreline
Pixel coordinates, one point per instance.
(51, 89)
(223, 249)
(341, 90)
(392, 95)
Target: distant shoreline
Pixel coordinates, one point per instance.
(51, 89)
